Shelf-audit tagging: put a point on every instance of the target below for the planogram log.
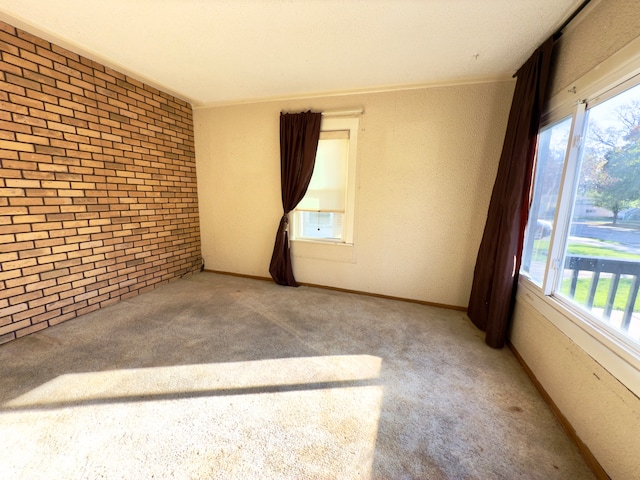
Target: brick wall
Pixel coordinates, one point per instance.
(98, 198)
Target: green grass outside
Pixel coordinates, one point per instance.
(602, 291)
(600, 251)
(541, 247)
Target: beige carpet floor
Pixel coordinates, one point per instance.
(221, 377)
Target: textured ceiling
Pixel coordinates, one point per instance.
(212, 52)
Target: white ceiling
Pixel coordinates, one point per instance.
(211, 52)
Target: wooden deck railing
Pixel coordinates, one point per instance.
(616, 268)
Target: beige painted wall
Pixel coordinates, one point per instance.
(605, 27)
(426, 164)
(604, 413)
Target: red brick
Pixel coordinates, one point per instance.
(26, 297)
(68, 263)
(53, 228)
(19, 183)
(11, 292)
(27, 102)
(41, 114)
(37, 59)
(53, 167)
(11, 192)
(32, 329)
(41, 192)
(88, 309)
(45, 316)
(19, 62)
(7, 238)
(38, 175)
(25, 201)
(37, 269)
(32, 39)
(33, 139)
(5, 173)
(62, 318)
(62, 127)
(40, 285)
(51, 209)
(60, 303)
(30, 312)
(35, 252)
(12, 107)
(67, 292)
(52, 258)
(64, 144)
(65, 248)
(15, 127)
(23, 237)
(9, 155)
(50, 242)
(23, 81)
(47, 53)
(109, 163)
(34, 304)
(19, 146)
(69, 278)
(4, 229)
(5, 47)
(55, 74)
(45, 132)
(12, 327)
(28, 161)
(68, 87)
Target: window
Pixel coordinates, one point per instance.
(582, 243)
(552, 148)
(326, 211)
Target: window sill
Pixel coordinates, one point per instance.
(615, 356)
(324, 250)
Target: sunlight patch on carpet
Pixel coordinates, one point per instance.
(278, 418)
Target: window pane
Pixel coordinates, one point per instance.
(552, 148)
(327, 210)
(328, 184)
(602, 255)
(320, 225)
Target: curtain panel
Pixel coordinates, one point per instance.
(498, 262)
(299, 135)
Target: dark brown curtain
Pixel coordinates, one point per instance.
(299, 135)
(496, 272)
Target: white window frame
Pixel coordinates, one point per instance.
(332, 124)
(619, 355)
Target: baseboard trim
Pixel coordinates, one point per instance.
(591, 460)
(241, 275)
(345, 290)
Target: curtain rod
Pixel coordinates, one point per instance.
(558, 33)
(338, 113)
(343, 113)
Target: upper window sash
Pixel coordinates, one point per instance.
(568, 185)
